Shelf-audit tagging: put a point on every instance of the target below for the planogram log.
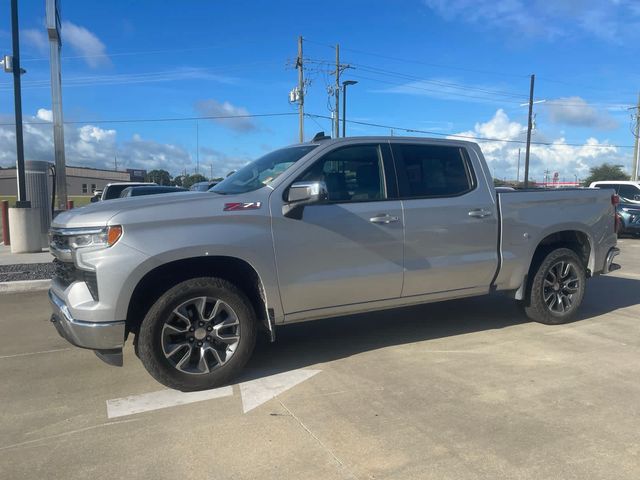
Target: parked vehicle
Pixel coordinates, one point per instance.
(203, 186)
(629, 218)
(149, 190)
(629, 191)
(321, 229)
(113, 190)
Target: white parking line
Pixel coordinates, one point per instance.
(120, 407)
(35, 353)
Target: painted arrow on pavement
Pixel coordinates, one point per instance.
(253, 393)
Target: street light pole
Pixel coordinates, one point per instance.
(345, 84)
(17, 95)
(529, 128)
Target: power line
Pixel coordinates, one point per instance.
(448, 84)
(438, 82)
(433, 90)
(488, 72)
(166, 119)
(470, 137)
(429, 64)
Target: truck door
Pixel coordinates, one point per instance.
(451, 222)
(348, 249)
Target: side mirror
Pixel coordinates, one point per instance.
(301, 194)
(307, 192)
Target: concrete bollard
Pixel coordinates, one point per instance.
(6, 236)
(24, 224)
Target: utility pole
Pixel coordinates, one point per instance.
(337, 94)
(518, 173)
(529, 128)
(115, 162)
(211, 171)
(636, 150)
(299, 66)
(55, 44)
(17, 96)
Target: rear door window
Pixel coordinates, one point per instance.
(432, 170)
(628, 191)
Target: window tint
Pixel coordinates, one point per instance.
(432, 170)
(351, 174)
(628, 191)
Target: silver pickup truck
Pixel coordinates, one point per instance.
(315, 230)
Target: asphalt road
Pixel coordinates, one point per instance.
(459, 390)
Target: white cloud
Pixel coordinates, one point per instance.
(44, 114)
(577, 112)
(559, 157)
(90, 146)
(36, 38)
(85, 43)
(607, 19)
(213, 108)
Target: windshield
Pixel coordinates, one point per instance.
(262, 171)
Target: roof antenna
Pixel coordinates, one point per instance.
(320, 136)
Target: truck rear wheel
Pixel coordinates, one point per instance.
(198, 335)
(557, 288)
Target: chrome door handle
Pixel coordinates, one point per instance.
(479, 213)
(383, 218)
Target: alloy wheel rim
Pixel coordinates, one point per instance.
(561, 284)
(200, 335)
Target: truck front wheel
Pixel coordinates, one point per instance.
(198, 335)
(557, 288)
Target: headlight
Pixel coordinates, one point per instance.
(75, 238)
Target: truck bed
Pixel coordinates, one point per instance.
(527, 216)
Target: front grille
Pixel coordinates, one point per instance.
(57, 241)
(66, 273)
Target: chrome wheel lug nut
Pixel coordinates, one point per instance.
(191, 339)
(208, 339)
(191, 329)
(199, 344)
(201, 324)
(209, 328)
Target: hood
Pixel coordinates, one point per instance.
(148, 207)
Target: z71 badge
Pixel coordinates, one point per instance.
(242, 206)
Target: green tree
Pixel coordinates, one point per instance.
(606, 171)
(189, 180)
(161, 177)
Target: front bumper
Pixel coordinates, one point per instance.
(100, 336)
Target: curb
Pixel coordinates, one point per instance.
(25, 286)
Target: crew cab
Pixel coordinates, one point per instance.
(315, 230)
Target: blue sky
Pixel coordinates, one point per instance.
(448, 67)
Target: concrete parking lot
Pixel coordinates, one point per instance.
(459, 390)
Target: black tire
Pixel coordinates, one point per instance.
(156, 332)
(564, 300)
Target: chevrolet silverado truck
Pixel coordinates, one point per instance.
(315, 230)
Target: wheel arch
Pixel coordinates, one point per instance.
(576, 240)
(233, 269)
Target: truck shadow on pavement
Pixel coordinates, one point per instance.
(306, 344)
